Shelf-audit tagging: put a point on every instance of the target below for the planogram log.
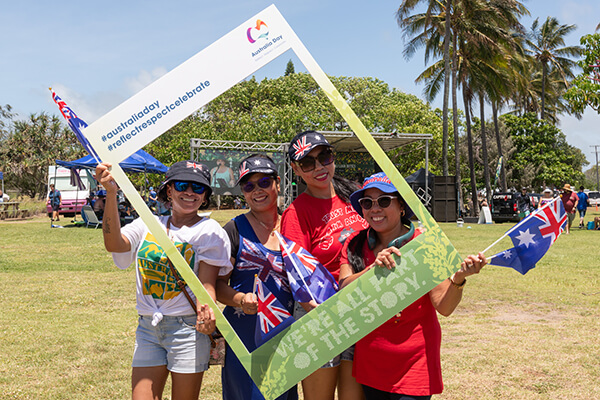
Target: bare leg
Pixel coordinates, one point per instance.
(320, 385)
(348, 388)
(186, 386)
(148, 383)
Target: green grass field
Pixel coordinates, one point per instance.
(68, 319)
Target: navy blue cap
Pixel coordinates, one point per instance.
(304, 142)
(256, 163)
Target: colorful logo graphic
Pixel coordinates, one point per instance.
(260, 31)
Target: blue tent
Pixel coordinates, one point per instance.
(140, 161)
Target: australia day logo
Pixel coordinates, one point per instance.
(261, 30)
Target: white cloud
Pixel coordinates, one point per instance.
(143, 79)
(89, 107)
(92, 106)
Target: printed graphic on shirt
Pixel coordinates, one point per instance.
(252, 258)
(153, 264)
(342, 222)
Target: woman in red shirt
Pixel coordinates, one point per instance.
(401, 358)
(320, 220)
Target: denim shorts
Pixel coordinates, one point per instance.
(581, 213)
(174, 342)
(347, 355)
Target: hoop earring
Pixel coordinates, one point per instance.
(402, 213)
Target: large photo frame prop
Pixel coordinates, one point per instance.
(349, 315)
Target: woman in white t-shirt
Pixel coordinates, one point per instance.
(171, 336)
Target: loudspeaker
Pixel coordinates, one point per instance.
(445, 199)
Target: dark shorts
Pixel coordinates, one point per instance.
(55, 207)
(376, 394)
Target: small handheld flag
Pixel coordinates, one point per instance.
(309, 279)
(75, 123)
(533, 237)
(272, 316)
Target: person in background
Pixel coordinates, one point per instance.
(4, 197)
(172, 336)
(524, 202)
(55, 200)
(99, 204)
(152, 200)
(255, 254)
(400, 360)
(320, 220)
(582, 205)
(570, 201)
(222, 175)
(546, 197)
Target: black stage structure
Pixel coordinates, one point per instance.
(352, 159)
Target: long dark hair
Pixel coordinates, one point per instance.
(344, 187)
(355, 251)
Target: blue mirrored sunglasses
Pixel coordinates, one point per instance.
(182, 186)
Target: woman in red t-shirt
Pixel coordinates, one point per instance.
(401, 358)
(320, 220)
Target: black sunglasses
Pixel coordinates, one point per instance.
(264, 183)
(181, 186)
(309, 163)
(382, 201)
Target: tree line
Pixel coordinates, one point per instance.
(274, 110)
(481, 48)
(477, 48)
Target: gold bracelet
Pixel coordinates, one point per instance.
(456, 285)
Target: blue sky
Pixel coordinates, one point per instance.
(98, 54)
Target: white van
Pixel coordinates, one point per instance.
(72, 197)
(594, 198)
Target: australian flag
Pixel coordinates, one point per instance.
(533, 237)
(309, 279)
(272, 316)
(75, 123)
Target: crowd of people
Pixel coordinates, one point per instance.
(349, 228)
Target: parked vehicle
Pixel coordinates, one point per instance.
(594, 198)
(505, 207)
(508, 207)
(72, 197)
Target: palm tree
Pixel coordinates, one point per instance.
(547, 45)
(482, 34)
(427, 29)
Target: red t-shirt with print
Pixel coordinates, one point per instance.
(321, 226)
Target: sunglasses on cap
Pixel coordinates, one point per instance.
(382, 201)
(309, 163)
(181, 186)
(264, 183)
